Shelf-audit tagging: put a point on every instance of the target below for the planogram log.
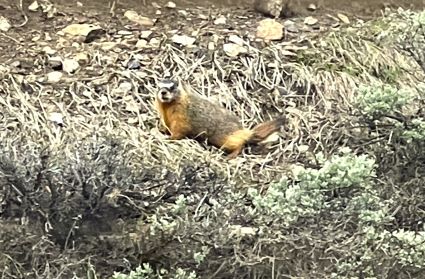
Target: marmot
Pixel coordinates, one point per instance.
(189, 115)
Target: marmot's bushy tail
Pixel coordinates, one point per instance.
(265, 129)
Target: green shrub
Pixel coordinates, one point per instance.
(375, 101)
(312, 189)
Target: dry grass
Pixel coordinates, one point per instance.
(109, 148)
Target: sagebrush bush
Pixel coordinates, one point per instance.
(375, 101)
(314, 190)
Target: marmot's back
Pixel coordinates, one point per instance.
(211, 121)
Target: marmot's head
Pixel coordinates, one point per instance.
(169, 90)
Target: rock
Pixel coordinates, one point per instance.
(36, 38)
(48, 50)
(154, 42)
(89, 31)
(108, 45)
(269, 29)
(312, 7)
(141, 20)
(303, 148)
(4, 24)
(292, 28)
(125, 33)
(47, 37)
(54, 77)
(272, 8)
(145, 34)
(171, 5)
(134, 64)
(141, 43)
(16, 64)
(274, 137)
(125, 86)
(48, 9)
(233, 50)
(103, 101)
(343, 18)
(220, 20)
(236, 40)
(211, 46)
(56, 117)
(81, 57)
(310, 20)
(183, 13)
(70, 65)
(34, 6)
(183, 40)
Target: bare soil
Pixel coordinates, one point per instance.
(22, 47)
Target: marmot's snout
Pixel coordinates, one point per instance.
(165, 96)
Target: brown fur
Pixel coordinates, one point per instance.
(190, 115)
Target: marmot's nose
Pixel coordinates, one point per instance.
(162, 92)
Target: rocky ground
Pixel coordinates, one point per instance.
(88, 184)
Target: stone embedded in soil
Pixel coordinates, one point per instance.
(236, 40)
(4, 24)
(343, 18)
(292, 28)
(310, 20)
(108, 45)
(183, 40)
(183, 13)
(54, 77)
(56, 117)
(312, 7)
(220, 20)
(154, 42)
(134, 64)
(34, 6)
(81, 58)
(145, 34)
(171, 5)
(141, 20)
(48, 50)
(303, 148)
(125, 33)
(270, 30)
(211, 46)
(141, 43)
(233, 50)
(70, 65)
(274, 137)
(88, 31)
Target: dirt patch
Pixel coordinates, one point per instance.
(88, 184)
